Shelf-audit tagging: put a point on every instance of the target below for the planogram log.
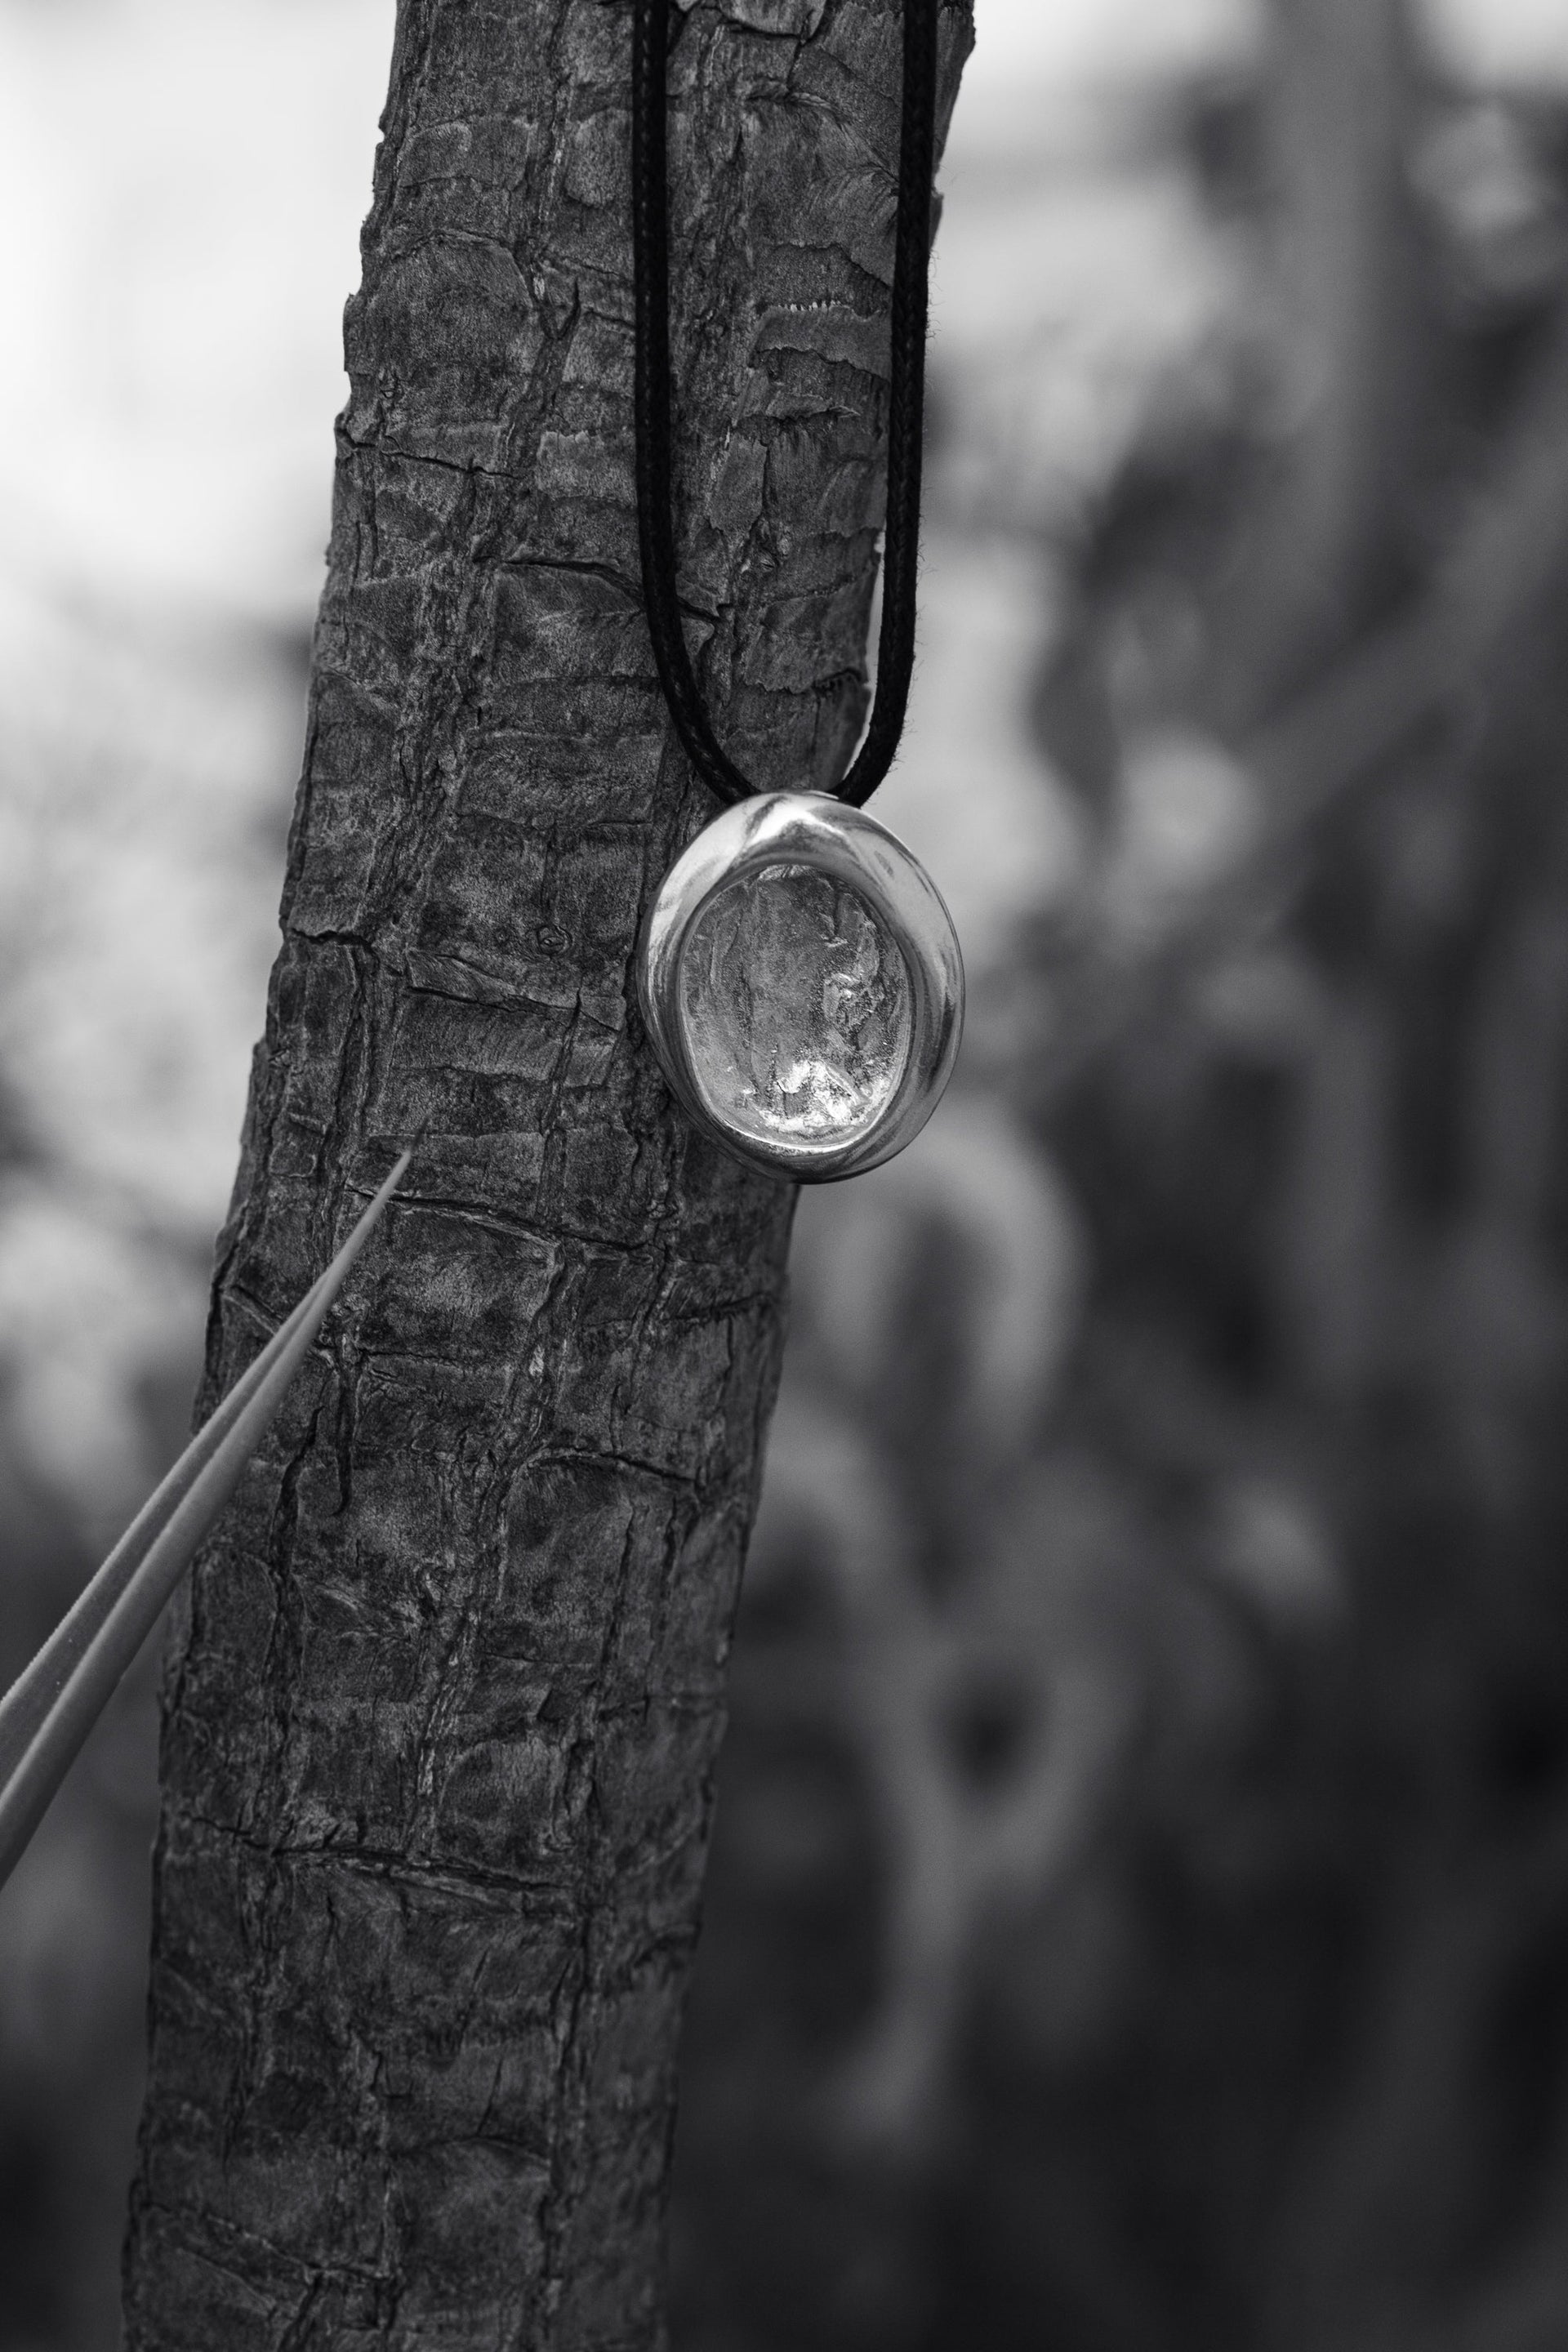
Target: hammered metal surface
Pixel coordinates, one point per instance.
(795, 1006)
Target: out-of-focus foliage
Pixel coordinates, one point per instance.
(1137, 1910)
(180, 187)
(142, 792)
(1139, 1915)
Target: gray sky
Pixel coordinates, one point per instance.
(181, 187)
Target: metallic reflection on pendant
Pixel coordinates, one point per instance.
(801, 981)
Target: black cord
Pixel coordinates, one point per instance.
(650, 251)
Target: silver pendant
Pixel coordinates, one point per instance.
(801, 983)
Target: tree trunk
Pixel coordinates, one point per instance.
(1343, 533)
(443, 1706)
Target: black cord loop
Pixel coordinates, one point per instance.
(906, 405)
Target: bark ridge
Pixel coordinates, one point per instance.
(443, 1705)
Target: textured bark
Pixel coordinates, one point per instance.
(443, 1708)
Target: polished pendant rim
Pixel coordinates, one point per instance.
(850, 847)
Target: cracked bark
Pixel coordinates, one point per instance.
(443, 1703)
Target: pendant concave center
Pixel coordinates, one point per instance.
(797, 1007)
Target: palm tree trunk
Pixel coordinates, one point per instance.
(443, 1706)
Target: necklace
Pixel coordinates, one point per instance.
(799, 975)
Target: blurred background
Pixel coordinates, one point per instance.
(1139, 1916)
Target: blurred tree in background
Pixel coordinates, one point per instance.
(1140, 1890)
(1140, 1915)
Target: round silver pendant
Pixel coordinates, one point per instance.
(801, 983)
